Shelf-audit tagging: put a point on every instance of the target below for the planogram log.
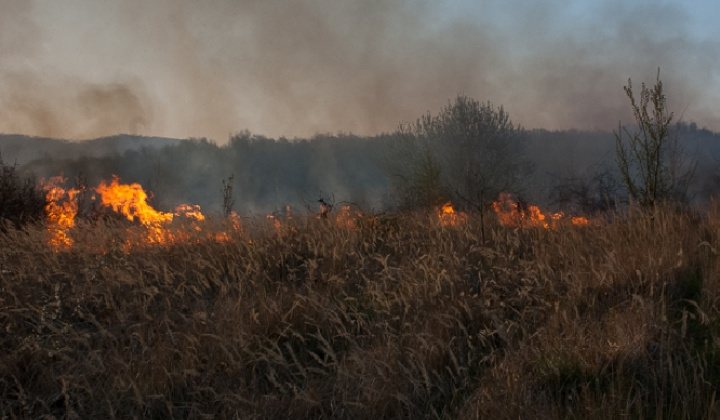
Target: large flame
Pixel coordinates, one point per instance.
(61, 209)
(130, 200)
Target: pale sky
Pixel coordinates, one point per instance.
(81, 69)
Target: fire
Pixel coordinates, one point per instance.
(157, 227)
(344, 218)
(275, 221)
(153, 227)
(130, 200)
(190, 211)
(517, 214)
(61, 210)
(347, 219)
(185, 224)
(232, 222)
(449, 217)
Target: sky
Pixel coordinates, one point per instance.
(81, 69)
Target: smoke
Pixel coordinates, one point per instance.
(41, 100)
(72, 109)
(577, 81)
(179, 68)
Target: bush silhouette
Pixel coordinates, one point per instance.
(21, 201)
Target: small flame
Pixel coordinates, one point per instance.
(516, 214)
(222, 237)
(190, 211)
(449, 217)
(232, 222)
(346, 219)
(275, 220)
(513, 214)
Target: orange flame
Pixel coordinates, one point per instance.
(515, 214)
(275, 221)
(190, 211)
(61, 210)
(131, 201)
(234, 223)
(347, 219)
(449, 217)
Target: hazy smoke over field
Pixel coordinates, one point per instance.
(181, 68)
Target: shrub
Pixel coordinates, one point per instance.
(469, 152)
(21, 201)
(652, 164)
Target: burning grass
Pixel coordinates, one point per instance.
(369, 316)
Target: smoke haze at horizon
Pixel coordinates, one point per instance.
(81, 69)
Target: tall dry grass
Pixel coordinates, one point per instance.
(399, 317)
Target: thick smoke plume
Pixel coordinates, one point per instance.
(80, 68)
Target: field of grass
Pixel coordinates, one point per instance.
(396, 316)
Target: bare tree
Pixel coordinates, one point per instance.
(592, 192)
(21, 201)
(652, 163)
(468, 152)
(415, 171)
(227, 192)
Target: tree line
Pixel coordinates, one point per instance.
(467, 153)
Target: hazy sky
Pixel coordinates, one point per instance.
(185, 68)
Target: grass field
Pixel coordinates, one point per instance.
(390, 316)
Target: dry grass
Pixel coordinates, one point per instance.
(398, 318)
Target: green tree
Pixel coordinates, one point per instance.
(651, 161)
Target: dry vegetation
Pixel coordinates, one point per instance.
(400, 317)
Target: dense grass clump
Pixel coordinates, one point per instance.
(392, 316)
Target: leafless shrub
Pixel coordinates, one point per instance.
(652, 164)
(21, 201)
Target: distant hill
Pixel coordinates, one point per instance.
(23, 149)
